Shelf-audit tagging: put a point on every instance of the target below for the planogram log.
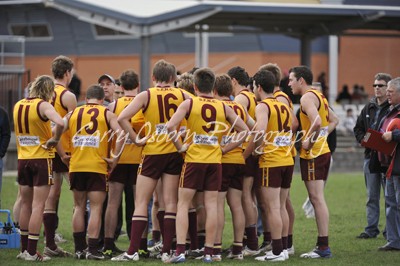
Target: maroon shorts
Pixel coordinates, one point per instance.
(154, 166)
(58, 165)
(276, 177)
(201, 176)
(251, 168)
(125, 174)
(35, 172)
(315, 169)
(232, 176)
(87, 181)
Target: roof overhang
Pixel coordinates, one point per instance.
(146, 18)
(312, 20)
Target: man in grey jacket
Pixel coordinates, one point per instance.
(370, 117)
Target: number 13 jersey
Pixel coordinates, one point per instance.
(89, 136)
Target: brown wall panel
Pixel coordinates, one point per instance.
(360, 58)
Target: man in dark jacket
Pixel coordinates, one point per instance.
(370, 117)
(392, 191)
(5, 135)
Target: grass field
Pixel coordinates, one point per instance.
(345, 194)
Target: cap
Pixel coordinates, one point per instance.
(107, 77)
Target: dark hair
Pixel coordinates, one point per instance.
(193, 70)
(60, 65)
(240, 74)
(204, 79)
(250, 84)
(383, 76)
(302, 72)
(274, 69)
(223, 85)
(129, 80)
(164, 71)
(266, 80)
(95, 92)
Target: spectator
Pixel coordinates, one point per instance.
(107, 82)
(370, 116)
(75, 86)
(358, 95)
(344, 97)
(349, 122)
(284, 85)
(5, 135)
(118, 91)
(322, 80)
(392, 188)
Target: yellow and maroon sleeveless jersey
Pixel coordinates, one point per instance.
(162, 104)
(251, 108)
(278, 138)
(280, 93)
(62, 110)
(188, 93)
(131, 154)
(235, 155)
(206, 124)
(31, 130)
(183, 125)
(321, 145)
(90, 132)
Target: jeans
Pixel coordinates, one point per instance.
(373, 182)
(1, 177)
(392, 195)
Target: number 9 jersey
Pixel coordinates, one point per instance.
(90, 133)
(206, 124)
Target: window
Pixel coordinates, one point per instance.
(31, 31)
(107, 33)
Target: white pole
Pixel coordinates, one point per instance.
(333, 67)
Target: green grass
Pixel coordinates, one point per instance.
(345, 194)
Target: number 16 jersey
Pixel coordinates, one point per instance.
(162, 104)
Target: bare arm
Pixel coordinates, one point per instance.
(111, 106)
(68, 99)
(262, 113)
(46, 110)
(240, 98)
(123, 119)
(240, 127)
(333, 120)
(175, 121)
(120, 143)
(309, 104)
(249, 121)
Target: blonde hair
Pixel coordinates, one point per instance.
(42, 87)
(185, 81)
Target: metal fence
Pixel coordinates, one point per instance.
(12, 90)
